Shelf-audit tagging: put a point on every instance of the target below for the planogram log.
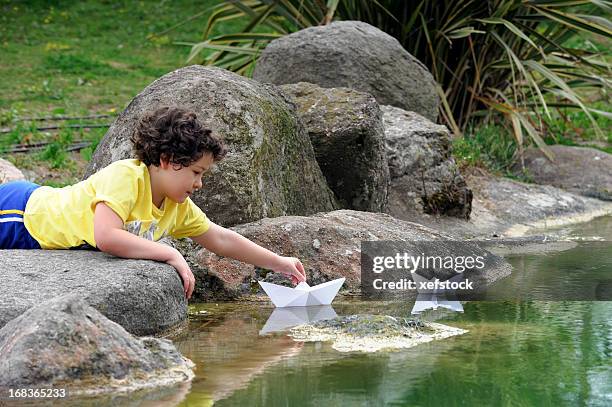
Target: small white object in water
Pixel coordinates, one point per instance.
(303, 294)
(432, 299)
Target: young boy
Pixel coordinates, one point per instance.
(126, 207)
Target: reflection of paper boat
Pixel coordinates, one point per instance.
(302, 294)
(287, 317)
(433, 301)
(434, 298)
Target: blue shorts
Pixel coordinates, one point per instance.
(13, 199)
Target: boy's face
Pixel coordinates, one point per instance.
(180, 184)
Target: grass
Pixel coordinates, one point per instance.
(83, 58)
(88, 56)
(491, 147)
(53, 165)
(574, 128)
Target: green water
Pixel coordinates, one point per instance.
(516, 353)
(524, 353)
(529, 353)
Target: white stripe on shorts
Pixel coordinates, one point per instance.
(11, 220)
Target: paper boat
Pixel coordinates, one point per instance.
(434, 298)
(303, 294)
(283, 318)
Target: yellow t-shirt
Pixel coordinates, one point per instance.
(60, 218)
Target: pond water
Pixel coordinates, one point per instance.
(526, 352)
(529, 353)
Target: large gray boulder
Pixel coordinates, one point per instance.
(145, 297)
(329, 246)
(351, 54)
(582, 170)
(65, 343)
(424, 176)
(346, 131)
(270, 169)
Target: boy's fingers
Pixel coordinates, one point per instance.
(185, 284)
(298, 276)
(300, 268)
(191, 288)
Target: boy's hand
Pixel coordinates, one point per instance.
(290, 266)
(178, 262)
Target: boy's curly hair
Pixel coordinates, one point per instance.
(176, 134)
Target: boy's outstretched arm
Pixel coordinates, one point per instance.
(111, 238)
(228, 243)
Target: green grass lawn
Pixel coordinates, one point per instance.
(75, 58)
(85, 57)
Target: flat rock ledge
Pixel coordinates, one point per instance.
(144, 297)
(65, 343)
(582, 170)
(506, 208)
(372, 333)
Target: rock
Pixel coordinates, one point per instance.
(372, 333)
(346, 131)
(145, 297)
(8, 172)
(503, 208)
(581, 170)
(533, 245)
(338, 254)
(270, 169)
(351, 54)
(424, 176)
(65, 343)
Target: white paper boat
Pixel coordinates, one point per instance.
(287, 317)
(302, 294)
